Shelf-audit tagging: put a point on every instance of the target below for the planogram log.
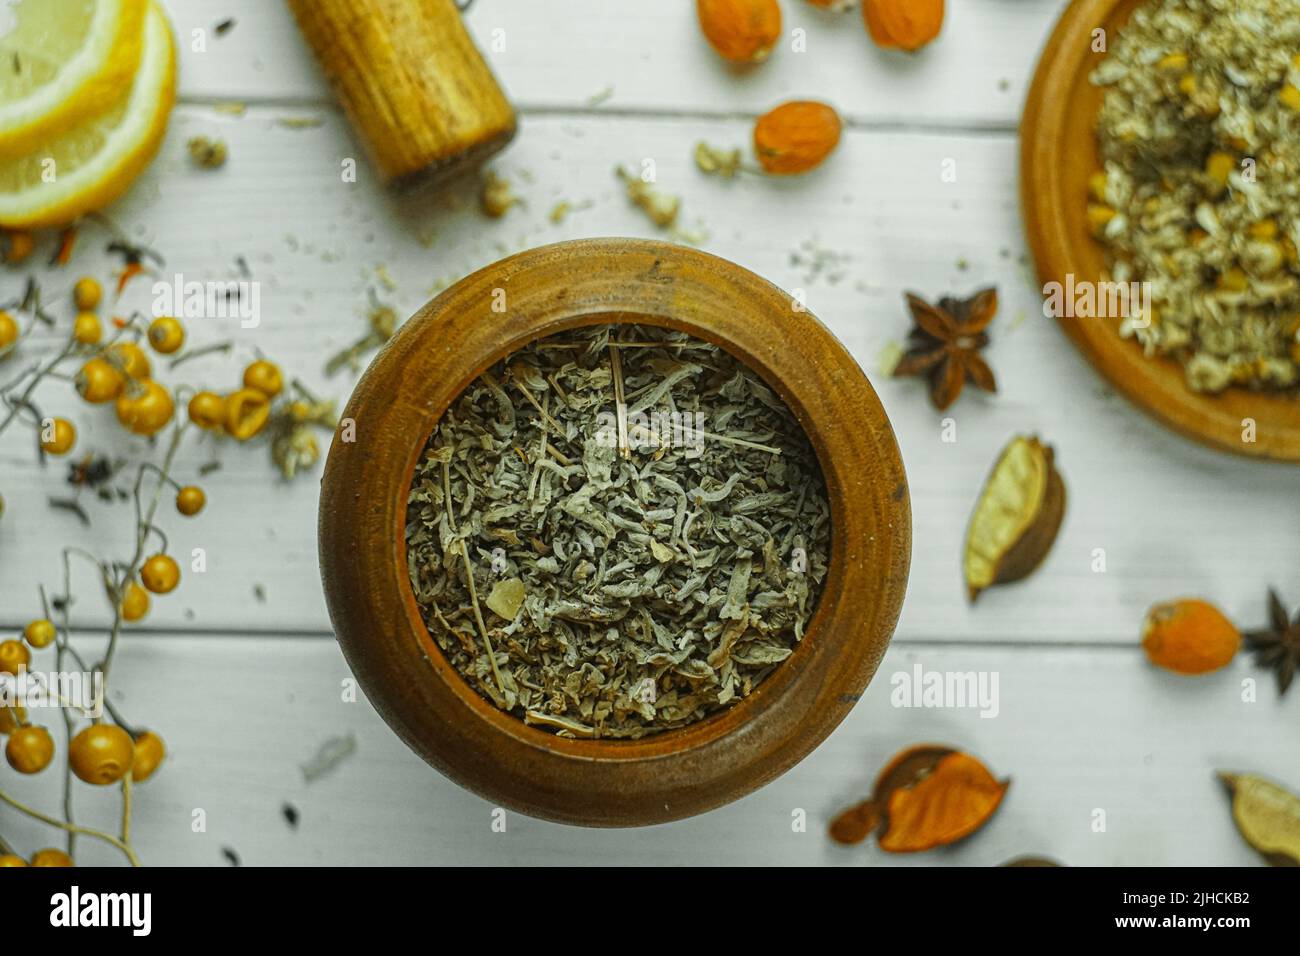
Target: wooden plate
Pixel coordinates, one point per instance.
(1058, 154)
(453, 340)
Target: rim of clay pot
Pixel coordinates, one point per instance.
(429, 363)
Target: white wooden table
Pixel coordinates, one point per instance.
(245, 690)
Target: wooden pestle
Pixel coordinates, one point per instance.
(412, 82)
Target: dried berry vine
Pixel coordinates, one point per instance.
(110, 364)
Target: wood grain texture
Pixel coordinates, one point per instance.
(1078, 730)
(1058, 154)
(653, 59)
(411, 81)
(397, 405)
(1167, 516)
(1084, 723)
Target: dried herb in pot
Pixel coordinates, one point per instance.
(617, 531)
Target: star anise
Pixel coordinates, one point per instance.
(945, 342)
(1278, 646)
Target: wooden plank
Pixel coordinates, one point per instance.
(655, 59)
(1077, 730)
(1171, 517)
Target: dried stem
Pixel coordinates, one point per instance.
(143, 523)
(24, 400)
(72, 827)
(126, 809)
(469, 574)
(620, 402)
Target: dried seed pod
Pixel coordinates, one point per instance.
(1267, 816)
(1016, 518)
(1189, 637)
(903, 24)
(742, 31)
(796, 136)
(927, 796)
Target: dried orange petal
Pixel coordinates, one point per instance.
(949, 803)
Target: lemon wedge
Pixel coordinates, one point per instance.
(91, 164)
(63, 61)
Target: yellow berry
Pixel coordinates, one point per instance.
(208, 410)
(51, 857)
(30, 749)
(131, 358)
(57, 436)
(101, 754)
(160, 574)
(166, 335)
(14, 657)
(135, 603)
(149, 753)
(145, 407)
(190, 500)
(8, 330)
(86, 293)
(99, 381)
(40, 633)
(88, 330)
(265, 377)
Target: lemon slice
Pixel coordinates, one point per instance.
(63, 60)
(93, 163)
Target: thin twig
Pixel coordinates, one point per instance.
(71, 827)
(143, 523)
(24, 399)
(126, 808)
(620, 401)
(469, 574)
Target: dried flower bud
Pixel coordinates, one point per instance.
(796, 136)
(497, 195)
(742, 31)
(661, 207)
(903, 24)
(713, 161)
(1189, 637)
